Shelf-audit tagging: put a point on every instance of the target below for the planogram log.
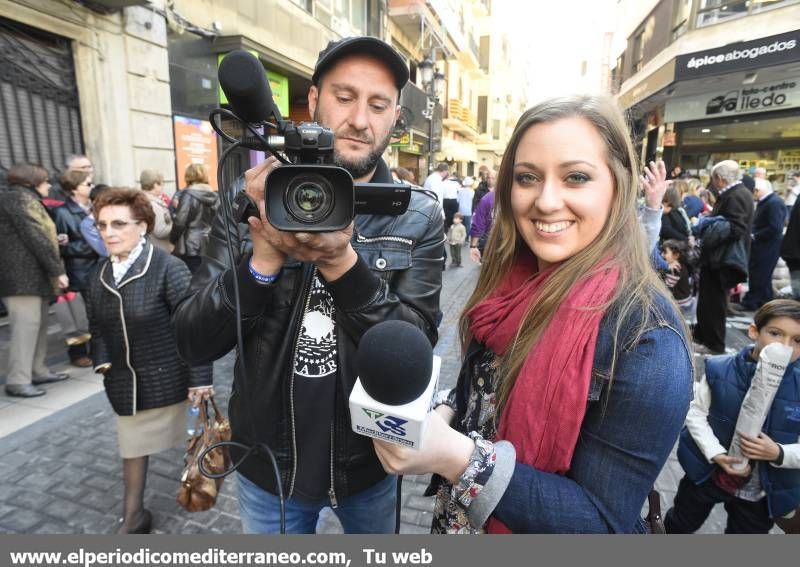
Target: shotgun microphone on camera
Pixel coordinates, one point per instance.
(244, 81)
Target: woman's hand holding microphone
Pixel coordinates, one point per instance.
(444, 451)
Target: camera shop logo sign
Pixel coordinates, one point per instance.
(746, 100)
(752, 99)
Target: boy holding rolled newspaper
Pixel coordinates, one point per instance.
(741, 442)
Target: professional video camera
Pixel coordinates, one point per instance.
(308, 193)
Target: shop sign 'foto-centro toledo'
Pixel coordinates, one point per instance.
(745, 100)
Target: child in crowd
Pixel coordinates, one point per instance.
(456, 236)
(676, 276)
(708, 200)
(769, 487)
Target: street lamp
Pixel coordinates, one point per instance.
(426, 71)
(432, 83)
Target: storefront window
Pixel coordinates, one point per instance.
(714, 11)
(772, 143)
(741, 131)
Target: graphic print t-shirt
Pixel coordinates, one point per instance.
(315, 367)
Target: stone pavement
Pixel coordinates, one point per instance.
(62, 473)
(17, 413)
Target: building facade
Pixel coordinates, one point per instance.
(707, 80)
(415, 31)
(503, 86)
(131, 82)
(482, 96)
(80, 79)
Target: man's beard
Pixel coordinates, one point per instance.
(358, 167)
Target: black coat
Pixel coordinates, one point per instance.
(131, 330)
(194, 212)
(79, 257)
(768, 222)
(790, 248)
(398, 275)
(736, 205)
(673, 226)
(29, 258)
(721, 253)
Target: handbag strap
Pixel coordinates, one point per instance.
(206, 422)
(218, 417)
(654, 517)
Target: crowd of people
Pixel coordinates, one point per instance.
(101, 256)
(578, 327)
(719, 237)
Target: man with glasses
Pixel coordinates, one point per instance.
(74, 162)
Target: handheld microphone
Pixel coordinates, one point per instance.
(397, 378)
(244, 81)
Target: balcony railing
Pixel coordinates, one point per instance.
(457, 111)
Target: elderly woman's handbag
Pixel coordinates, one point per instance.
(197, 492)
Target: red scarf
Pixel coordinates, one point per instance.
(544, 412)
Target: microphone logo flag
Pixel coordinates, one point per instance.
(389, 423)
(372, 413)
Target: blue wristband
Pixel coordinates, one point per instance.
(263, 278)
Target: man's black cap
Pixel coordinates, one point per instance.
(749, 182)
(364, 45)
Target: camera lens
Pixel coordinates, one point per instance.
(309, 198)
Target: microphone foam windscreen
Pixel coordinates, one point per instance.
(394, 362)
(244, 81)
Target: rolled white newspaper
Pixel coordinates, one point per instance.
(772, 362)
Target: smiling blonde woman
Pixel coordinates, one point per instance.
(576, 375)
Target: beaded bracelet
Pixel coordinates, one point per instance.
(263, 278)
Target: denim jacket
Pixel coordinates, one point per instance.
(627, 434)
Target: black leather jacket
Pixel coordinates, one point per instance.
(398, 276)
(194, 213)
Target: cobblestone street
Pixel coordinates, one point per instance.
(63, 474)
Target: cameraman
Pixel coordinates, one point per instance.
(301, 331)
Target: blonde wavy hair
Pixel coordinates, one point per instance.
(620, 242)
(195, 173)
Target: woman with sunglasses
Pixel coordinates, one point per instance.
(132, 297)
(79, 257)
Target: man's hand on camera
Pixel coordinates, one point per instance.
(330, 251)
(267, 259)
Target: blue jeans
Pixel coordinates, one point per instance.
(371, 511)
